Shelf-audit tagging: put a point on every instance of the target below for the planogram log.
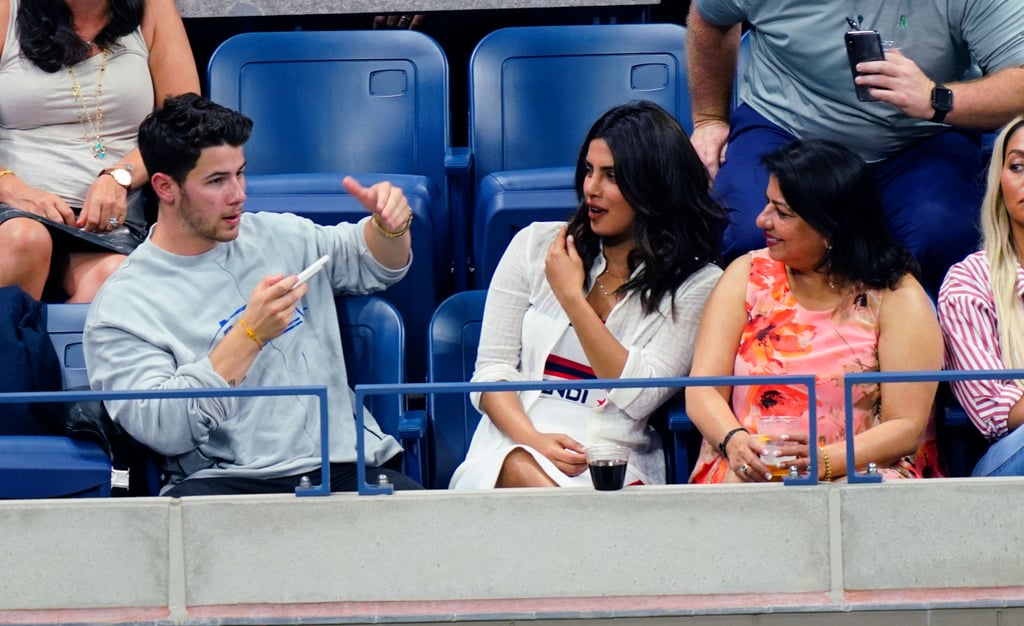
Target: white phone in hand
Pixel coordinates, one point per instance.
(310, 271)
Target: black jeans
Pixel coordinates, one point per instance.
(343, 478)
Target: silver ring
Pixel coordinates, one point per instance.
(743, 468)
(113, 221)
(405, 18)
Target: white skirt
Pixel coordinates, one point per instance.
(490, 447)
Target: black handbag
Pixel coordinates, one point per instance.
(135, 466)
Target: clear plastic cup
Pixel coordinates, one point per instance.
(607, 466)
(770, 429)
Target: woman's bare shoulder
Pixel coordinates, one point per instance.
(5, 19)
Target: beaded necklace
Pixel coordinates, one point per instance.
(93, 123)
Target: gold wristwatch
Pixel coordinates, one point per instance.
(122, 174)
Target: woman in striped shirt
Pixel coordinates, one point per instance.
(982, 313)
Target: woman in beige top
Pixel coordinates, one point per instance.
(79, 77)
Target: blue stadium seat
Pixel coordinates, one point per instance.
(43, 465)
(514, 200)
(960, 443)
(453, 340)
(534, 93)
(349, 102)
(373, 338)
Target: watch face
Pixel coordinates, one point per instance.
(942, 99)
(122, 176)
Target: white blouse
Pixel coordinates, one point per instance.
(521, 304)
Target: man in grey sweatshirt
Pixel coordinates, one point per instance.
(207, 301)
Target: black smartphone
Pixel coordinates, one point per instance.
(863, 45)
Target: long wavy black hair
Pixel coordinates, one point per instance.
(48, 38)
(833, 190)
(677, 227)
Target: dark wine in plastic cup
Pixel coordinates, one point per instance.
(608, 475)
(607, 466)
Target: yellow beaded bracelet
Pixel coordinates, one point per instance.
(391, 234)
(252, 335)
(828, 465)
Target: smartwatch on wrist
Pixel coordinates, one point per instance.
(122, 175)
(942, 102)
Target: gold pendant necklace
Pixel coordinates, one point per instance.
(93, 123)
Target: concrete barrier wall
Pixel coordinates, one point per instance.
(648, 551)
(967, 532)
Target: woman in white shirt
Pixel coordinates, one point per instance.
(616, 292)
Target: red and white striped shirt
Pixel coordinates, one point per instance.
(967, 313)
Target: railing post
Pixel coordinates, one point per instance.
(867, 378)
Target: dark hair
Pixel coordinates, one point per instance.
(47, 34)
(172, 137)
(677, 227)
(834, 191)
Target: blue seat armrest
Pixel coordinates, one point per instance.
(678, 420)
(457, 167)
(457, 161)
(957, 416)
(412, 430)
(412, 425)
(681, 427)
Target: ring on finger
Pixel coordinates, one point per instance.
(113, 221)
(743, 469)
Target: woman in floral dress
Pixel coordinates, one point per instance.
(832, 293)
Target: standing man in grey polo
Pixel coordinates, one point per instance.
(921, 134)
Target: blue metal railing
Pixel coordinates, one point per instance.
(866, 378)
(615, 383)
(322, 489)
(362, 391)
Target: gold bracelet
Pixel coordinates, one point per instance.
(252, 335)
(5, 173)
(828, 465)
(391, 234)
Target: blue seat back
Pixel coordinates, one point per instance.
(65, 323)
(454, 337)
(349, 102)
(373, 338)
(339, 101)
(513, 200)
(322, 199)
(534, 93)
